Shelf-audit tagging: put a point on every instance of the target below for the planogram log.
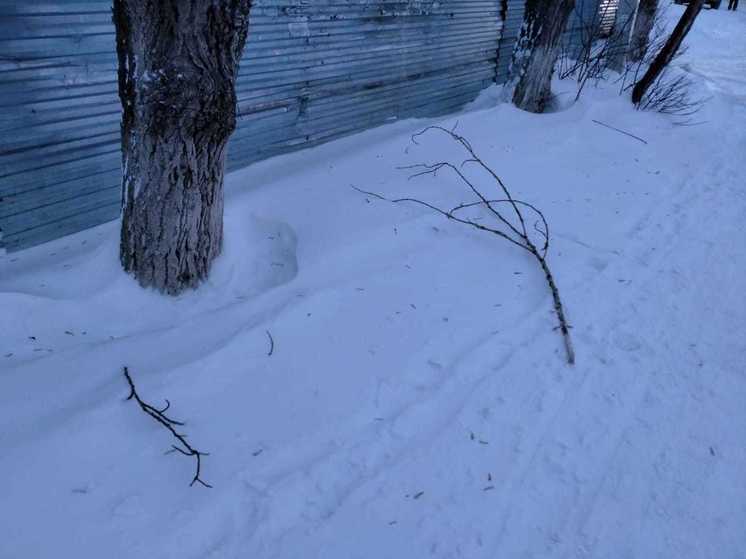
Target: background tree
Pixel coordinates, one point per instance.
(178, 61)
(536, 52)
(668, 51)
(638, 43)
(620, 36)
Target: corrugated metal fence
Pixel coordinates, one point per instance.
(313, 70)
(607, 11)
(512, 13)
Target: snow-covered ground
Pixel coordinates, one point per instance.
(417, 402)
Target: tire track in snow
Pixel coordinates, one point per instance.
(636, 389)
(377, 450)
(411, 427)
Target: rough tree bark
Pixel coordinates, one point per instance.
(178, 61)
(668, 51)
(536, 52)
(638, 43)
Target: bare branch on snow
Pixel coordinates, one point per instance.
(619, 130)
(511, 224)
(159, 415)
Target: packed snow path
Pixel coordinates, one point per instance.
(416, 403)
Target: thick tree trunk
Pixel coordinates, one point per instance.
(536, 52)
(668, 51)
(638, 43)
(178, 61)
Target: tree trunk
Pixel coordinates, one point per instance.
(536, 52)
(178, 61)
(638, 44)
(668, 51)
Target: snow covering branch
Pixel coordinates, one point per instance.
(159, 415)
(511, 223)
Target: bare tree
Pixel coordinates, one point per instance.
(620, 36)
(641, 30)
(671, 95)
(536, 52)
(591, 51)
(582, 55)
(669, 50)
(654, 43)
(178, 61)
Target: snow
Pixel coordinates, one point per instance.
(417, 403)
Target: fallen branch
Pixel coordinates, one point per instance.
(514, 232)
(168, 423)
(619, 130)
(271, 344)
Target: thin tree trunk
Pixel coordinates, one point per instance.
(623, 22)
(178, 61)
(536, 52)
(638, 44)
(668, 51)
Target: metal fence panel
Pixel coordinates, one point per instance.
(312, 71)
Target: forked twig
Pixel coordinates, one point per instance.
(515, 233)
(169, 424)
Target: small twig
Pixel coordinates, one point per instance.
(620, 130)
(271, 344)
(168, 423)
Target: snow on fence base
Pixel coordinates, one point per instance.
(310, 73)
